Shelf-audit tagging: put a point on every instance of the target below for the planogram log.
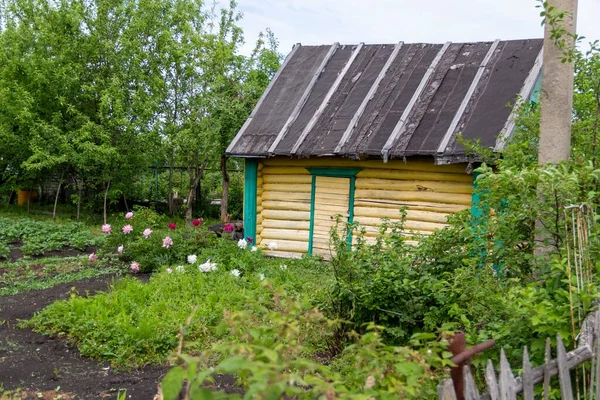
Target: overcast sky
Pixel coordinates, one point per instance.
(390, 21)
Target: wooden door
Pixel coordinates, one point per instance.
(332, 198)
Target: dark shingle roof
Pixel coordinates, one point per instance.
(391, 100)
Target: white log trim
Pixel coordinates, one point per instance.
(467, 98)
(262, 98)
(304, 98)
(525, 94)
(399, 128)
(326, 100)
(368, 97)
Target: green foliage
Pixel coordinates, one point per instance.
(137, 323)
(270, 358)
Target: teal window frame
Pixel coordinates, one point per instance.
(331, 173)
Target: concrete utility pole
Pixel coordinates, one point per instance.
(556, 103)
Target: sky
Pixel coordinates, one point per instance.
(313, 22)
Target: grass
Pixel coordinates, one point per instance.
(134, 323)
(27, 274)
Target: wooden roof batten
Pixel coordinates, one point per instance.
(461, 110)
(368, 97)
(262, 98)
(525, 93)
(304, 98)
(326, 100)
(400, 126)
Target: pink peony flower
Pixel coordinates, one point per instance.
(228, 228)
(147, 233)
(129, 215)
(106, 229)
(169, 270)
(197, 222)
(135, 266)
(127, 228)
(93, 257)
(120, 249)
(172, 226)
(167, 242)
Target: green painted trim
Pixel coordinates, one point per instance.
(250, 194)
(537, 90)
(351, 209)
(312, 214)
(334, 172)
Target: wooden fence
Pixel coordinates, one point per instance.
(506, 386)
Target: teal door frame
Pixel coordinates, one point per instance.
(331, 173)
(250, 194)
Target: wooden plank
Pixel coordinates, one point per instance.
(527, 377)
(413, 185)
(296, 112)
(411, 205)
(467, 99)
(363, 105)
(285, 224)
(446, 390)
(262, 98)
(390, 213)
(282, 187)
(284, 254)
(449, 198)
(408, 225)
(293, 246)
(284, 234)
(286, 205)
(492, 382)
(287, 178)
(507, 379)
(326, 100)
(276, 196)
(286, 215)
(400, 127)
(421, 165)
(547, 359)
(286, 170)
(524, 95)
(471, 392)
(564, 376)
(415, 175)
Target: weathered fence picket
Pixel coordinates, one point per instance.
(505, 386)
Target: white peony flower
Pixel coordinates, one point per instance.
(283, 267)
(242, 244)
(207, 266)
(235, 272)
(191, 259)
(272, 246)
(169, 270)
(180, 268)
(254, 248)
(262, 277)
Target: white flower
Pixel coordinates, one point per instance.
(242, 244)
(283, 267)
(261, 276)
(254, 248)
(272, 246)
(169, 270)
(235, 272)
(191, 259)
(180, 268)
(120, 249)
(207, 266)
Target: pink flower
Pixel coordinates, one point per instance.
(129, 215)
(172, 226)
(169, 270)
(249, 239)
(228, 228)
(147, 232)
(106, 228)
(93, 257)
(127, 228)
(120, 249)
(135, 266)
(197, 222)
(167, 242)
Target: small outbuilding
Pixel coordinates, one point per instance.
(363, 130)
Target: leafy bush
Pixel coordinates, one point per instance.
(134, 324)
(270, 358)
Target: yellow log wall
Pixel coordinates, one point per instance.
(429, 192)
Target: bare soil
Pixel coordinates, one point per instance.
(38, 364)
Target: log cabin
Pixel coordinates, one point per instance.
(363, 130)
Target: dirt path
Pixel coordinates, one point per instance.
(32, 361)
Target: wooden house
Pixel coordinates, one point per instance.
(363, 130)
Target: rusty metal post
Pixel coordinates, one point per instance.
(461, 357)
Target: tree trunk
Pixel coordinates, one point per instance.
(170, 190)
(79, 190)
(225, 193)
(56, 198)
(556, 102)
(105, 198)
(28, 200)
(125, 201)
(195, 176)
